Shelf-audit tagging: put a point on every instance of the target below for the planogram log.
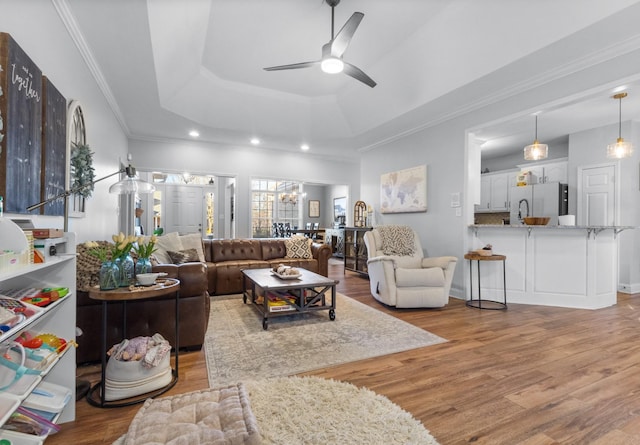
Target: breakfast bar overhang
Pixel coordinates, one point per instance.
(564, 266)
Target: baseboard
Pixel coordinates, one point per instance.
(626, 288)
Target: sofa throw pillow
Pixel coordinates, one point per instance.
(193, 241)
(298, 247)
(164, 243)
(397, 240)
(184, 256)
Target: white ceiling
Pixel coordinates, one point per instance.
(171, 66)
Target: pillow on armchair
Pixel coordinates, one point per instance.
(397, 240)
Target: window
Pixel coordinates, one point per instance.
(273, 202)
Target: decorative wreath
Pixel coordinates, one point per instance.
(82, 171)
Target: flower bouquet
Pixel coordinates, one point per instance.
(144, 252)
(117, 266)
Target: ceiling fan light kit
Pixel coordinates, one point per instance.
(536, 151)
(332, 65)
(332, 52)
(621, 148)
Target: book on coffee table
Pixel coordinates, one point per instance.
(279, 302)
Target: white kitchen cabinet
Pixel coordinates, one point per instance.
(494, 192)
(556, 172)
(547, 172)
(58, 318)
(485, 194)
(500, 192)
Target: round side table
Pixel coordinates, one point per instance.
(163, 286)
(480, 303)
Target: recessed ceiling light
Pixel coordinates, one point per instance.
(255, 141)
(194, 134)
(304, 147)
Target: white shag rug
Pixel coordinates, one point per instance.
(315, 411)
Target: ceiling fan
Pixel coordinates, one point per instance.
(332, 51)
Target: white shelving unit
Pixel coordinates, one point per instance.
(59, 318)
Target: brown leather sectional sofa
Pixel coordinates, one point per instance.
(220, 275)
(147, 317)
(225, 259)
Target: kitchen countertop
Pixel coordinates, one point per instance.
(549, 226)
(589, 229)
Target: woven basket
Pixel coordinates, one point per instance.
(483, 252)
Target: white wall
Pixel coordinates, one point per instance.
(37, 28)
(590, 148)
(244, 163)
(443, 148)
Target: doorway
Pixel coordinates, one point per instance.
(187, 203)
(596, 195)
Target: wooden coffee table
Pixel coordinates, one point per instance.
(306, 293)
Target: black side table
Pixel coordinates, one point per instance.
(488, 304)
(164, 286)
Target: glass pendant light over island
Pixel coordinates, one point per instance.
(536, 151)
(621, 148)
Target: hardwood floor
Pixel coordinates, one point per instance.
(529, 375)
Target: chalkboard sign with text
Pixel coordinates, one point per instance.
(54, 147)
(21, 132)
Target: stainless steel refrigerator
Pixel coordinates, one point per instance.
(549, 199)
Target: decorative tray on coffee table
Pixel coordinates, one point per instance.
(286, 277)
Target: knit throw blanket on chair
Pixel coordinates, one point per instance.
(397, 240)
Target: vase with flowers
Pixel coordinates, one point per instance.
(144, 250)
(122, 257)
(109, 272)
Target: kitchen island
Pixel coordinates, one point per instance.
(565, 266)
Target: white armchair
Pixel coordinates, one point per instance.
(403, 277)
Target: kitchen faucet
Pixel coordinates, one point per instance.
(520, 208)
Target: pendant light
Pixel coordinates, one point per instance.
(536, 150)
(621, 148)
(131, 184)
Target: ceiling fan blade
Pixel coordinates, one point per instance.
(293, 66)
(341, 41)
(358, 74)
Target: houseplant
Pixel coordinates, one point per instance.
(122, 257)
(82, 171)
(109, 272)
(144, 250)
(117, 265)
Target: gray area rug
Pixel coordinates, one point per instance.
(238, 349)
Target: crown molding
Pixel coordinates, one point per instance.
(69, 21)
(230, 145)
(575, 66)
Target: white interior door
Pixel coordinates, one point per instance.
(183, 209)
(596, 200)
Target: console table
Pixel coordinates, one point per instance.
(163, 286)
